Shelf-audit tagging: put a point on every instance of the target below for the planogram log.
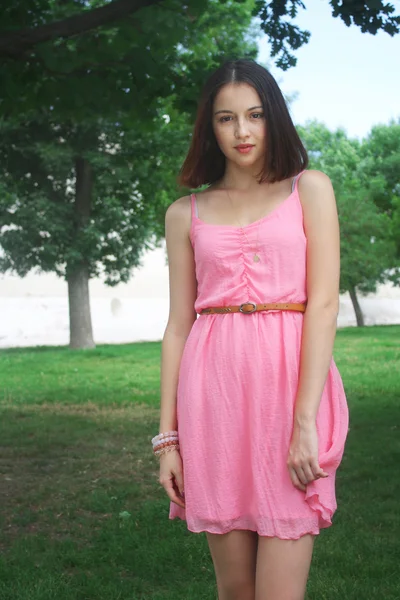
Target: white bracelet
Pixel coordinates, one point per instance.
(166, 439)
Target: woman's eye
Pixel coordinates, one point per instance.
(229, 118)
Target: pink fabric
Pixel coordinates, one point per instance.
(237, 386)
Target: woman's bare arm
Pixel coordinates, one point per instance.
(323, 272)
(182, 296)
(319, 326)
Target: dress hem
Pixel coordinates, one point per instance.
(324, 524)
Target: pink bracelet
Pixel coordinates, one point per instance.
(164, 444)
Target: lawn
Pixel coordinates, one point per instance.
(83, 516)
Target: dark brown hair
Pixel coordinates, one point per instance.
(285, 154)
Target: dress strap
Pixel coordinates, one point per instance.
(296, 180)
(194, 206)
(193, 215)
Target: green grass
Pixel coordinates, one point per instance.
(83, 517)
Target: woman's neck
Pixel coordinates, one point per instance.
(245, 180)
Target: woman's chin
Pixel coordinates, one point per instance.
(246, 161)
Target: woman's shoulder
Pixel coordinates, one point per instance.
(179, 208)
(315, 191)
(314, 180)
(178, 215)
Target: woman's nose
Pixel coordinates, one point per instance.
(242, 129)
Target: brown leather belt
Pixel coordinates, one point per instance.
(253, 308)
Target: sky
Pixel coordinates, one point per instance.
(343, 78)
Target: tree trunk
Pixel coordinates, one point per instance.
(357, 307)
(80, 321)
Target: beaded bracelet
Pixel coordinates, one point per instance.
(166, 449)
(165, 439)
(164, 434)
(162, 437)
(166, 444)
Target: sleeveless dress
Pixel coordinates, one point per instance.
(237, 385)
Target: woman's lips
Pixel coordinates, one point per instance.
(244, 149)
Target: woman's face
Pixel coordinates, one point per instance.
(239, 124)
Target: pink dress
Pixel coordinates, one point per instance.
(237, 385)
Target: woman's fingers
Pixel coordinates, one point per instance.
(301, 476)
(179, 480)
(173, 493)
(318, 472)
(171, 477)
(295, 480)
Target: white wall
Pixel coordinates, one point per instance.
(34, 310)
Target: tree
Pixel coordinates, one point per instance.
(28, 25)
(381, 158)
(367, 250)
(86, 197)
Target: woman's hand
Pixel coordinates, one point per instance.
(171, 476)
(302, 459)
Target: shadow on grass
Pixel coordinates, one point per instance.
(83, 515)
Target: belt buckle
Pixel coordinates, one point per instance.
(247, 312)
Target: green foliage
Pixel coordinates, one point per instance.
(134, 146)
(67, 41)
(381, 159)
(39, 210)
(370, 15)
(283, 35)
(125, 66)
(367, 248)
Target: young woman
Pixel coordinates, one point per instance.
(254, 416)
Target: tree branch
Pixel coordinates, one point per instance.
(14, 45)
